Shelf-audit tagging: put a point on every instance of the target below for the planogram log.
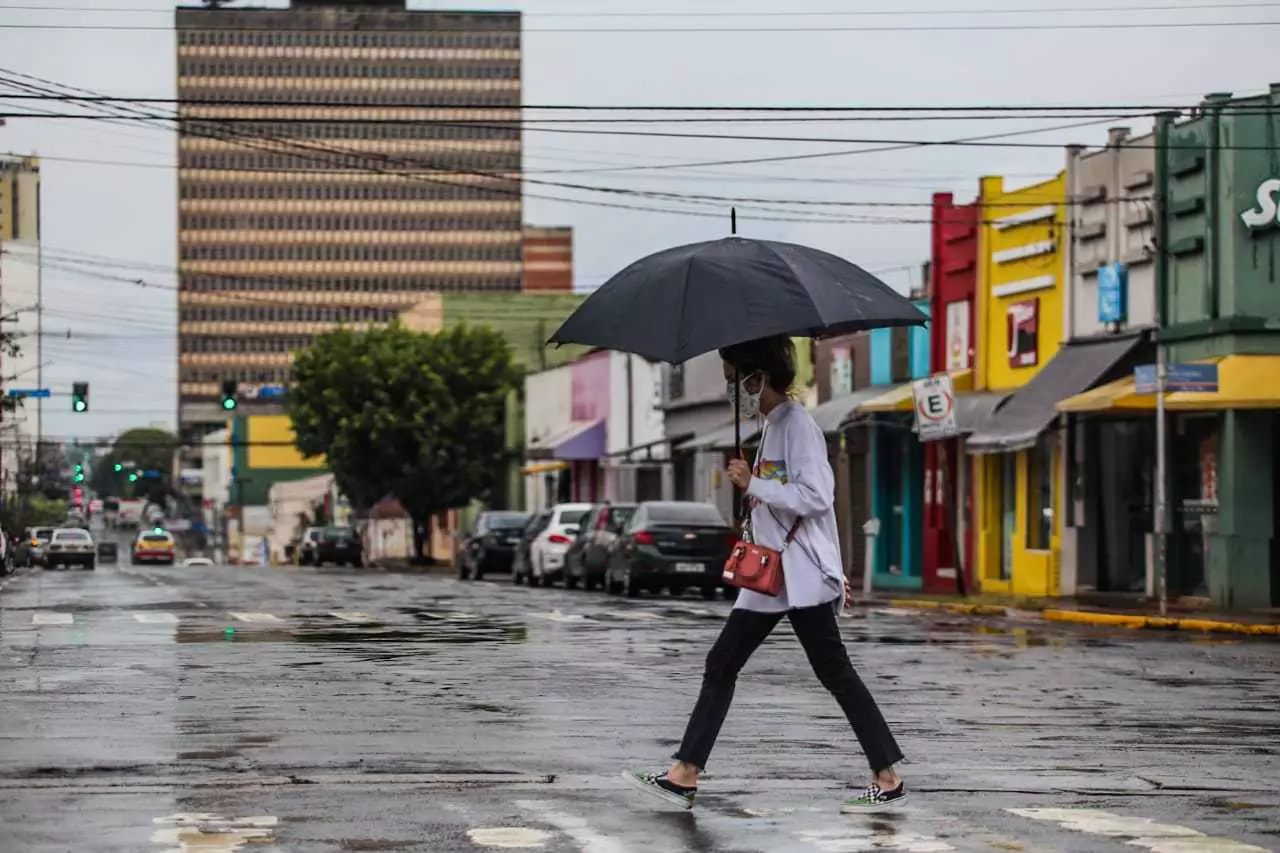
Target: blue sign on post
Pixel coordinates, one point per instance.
(1178, 377)
(271, 391)
(1113, 289)
(28, 392)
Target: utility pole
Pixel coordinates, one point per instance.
(1164, 124)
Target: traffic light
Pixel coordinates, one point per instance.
(133, 476)
(118, 467)
(229, 401)
(80, 397)
(79, 477)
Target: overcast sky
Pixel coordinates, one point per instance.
(927, 52)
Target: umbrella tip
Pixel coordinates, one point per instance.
(733, 220)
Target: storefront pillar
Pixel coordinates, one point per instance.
(1239, 554)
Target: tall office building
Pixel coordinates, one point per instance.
(337, 161)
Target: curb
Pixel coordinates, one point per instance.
(1089, 617)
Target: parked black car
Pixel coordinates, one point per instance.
(520, 562)
(341, 546)
(588, 556)
(491, 545)
(673, 545)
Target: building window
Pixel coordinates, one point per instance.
(675, 382)
(1040, 494)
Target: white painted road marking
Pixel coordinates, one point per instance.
(256, 617)
(155, 618)
(557, 616)
(52, 619)
(883, 836)
(509, 837)
(352, 616)
(212, 833)
(1141, 831)
(576, 828)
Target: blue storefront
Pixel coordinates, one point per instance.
(896, 457)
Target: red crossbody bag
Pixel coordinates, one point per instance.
(755, 567)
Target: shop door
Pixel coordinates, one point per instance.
(1008, 512)
(892, 471)
(648, 484)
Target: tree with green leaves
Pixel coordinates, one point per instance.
(145, 449)
(417, 416)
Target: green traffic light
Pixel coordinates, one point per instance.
(80, 406)
(118, 467)
(133, 478)
(228, 404)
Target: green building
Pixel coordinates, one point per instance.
(1217, 239)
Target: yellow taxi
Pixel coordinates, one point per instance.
(154, 546)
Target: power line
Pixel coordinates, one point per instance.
(649, 30)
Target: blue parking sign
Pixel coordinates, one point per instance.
(1113, 286)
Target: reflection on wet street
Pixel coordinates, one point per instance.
(221, 709)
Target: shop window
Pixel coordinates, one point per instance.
(1040, 494)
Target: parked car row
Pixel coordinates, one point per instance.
(622, 548)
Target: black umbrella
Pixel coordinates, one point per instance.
(682, 302)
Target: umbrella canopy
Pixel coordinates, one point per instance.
(693, 299)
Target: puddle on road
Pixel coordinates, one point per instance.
(436, 629)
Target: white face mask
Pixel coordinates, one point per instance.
(748, 402)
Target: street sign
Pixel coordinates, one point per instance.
(1202, 378)
(269, 391)
(250, 391)
(935, 408)
(28, 392)
(1113, 284)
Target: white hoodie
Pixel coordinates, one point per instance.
(794, 479)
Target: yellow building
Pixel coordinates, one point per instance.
(19, 199)
(1022, 273)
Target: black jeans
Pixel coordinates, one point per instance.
(819, 634)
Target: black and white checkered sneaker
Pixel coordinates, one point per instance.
(661, 787)
(876, 799)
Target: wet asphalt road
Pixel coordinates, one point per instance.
(221, 708)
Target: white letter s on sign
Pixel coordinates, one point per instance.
(1265, 213)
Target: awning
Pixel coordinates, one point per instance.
(832, 414)
(719, 438)
(974, 408)
(1244, 382)
(1031, 408)
(579, 440)
(901, 399)
(543, 468)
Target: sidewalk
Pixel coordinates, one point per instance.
(1141, 615)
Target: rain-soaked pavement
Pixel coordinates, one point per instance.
(221, 708)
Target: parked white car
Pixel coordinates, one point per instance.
(548, 550)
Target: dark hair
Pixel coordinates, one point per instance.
(775, 357)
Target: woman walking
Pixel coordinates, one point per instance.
(792, 482)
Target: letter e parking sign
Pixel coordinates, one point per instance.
(935, 408)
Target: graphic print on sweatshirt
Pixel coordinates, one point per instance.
(773, 470)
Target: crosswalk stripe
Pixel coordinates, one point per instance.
(52, 619)
(588, 839)
(884, 836)
(155, 618)
(352, 616)
(256, 617)
(1139, 831)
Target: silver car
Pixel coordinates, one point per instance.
(70, 546)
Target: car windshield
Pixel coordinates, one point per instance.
(507, 521)
(337, 532)
(573, 516)
(45, 533)
(619, 516)
(70, 536)
(688, 514)
(314, 534)
(156, 537)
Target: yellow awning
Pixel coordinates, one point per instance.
(1244, 382)
(543, 467)
(901, 399)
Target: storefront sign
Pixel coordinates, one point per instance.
(1178, 377)
(841, 372)
(935, 401)
(1264, 215)
(1023, 323)
(1113, 287)
(958, 335)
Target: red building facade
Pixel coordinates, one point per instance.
(952, 344)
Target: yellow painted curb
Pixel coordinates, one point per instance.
(949, 606)
(1160, 622)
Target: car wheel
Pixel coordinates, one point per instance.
(462, 568)
(708, 593)
(570, 581)
(91, 565)
(477, 571)
(516, 577)
(675, 590)
(590, 584)
(629, 586)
